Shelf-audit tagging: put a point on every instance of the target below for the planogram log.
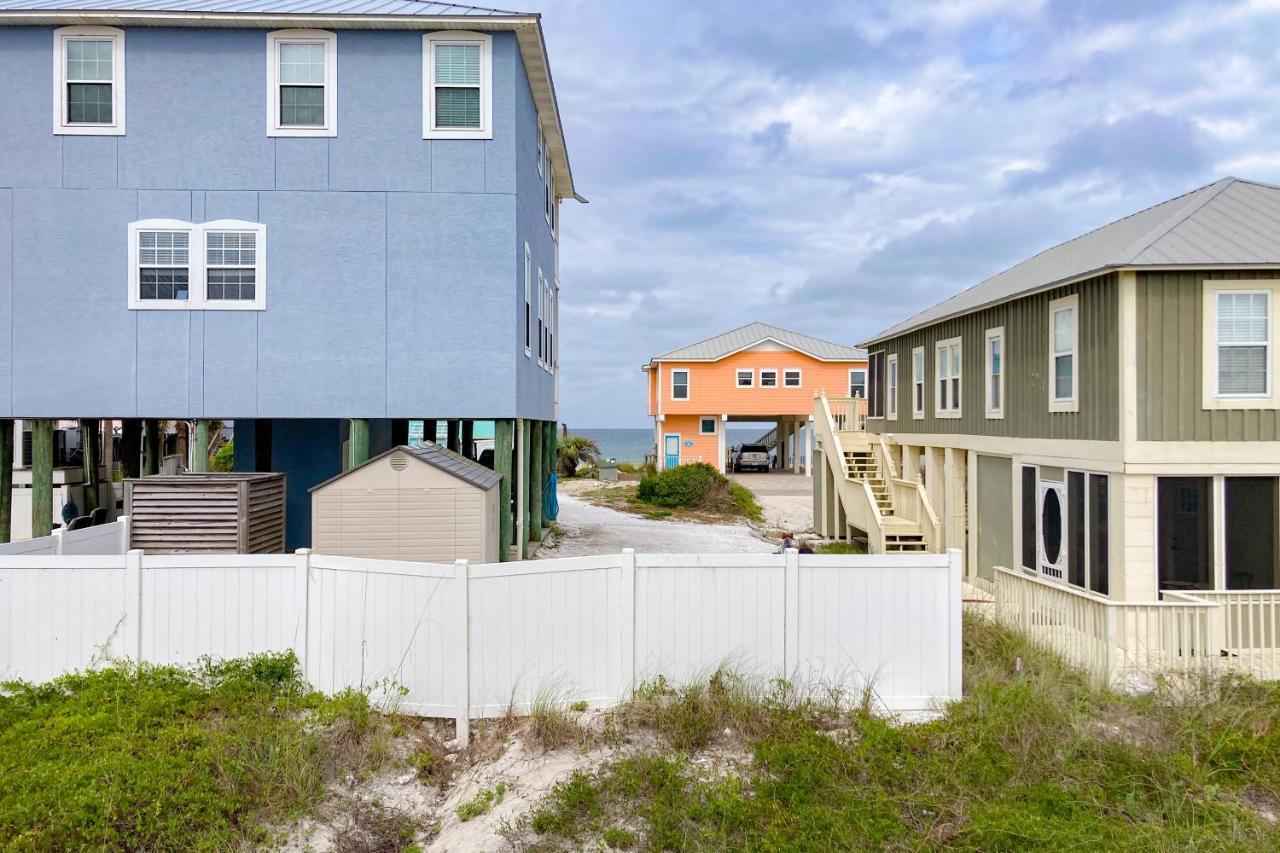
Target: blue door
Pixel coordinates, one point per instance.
(671, 450)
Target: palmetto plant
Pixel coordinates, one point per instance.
(575, 450)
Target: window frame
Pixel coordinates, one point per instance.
(62, 36)
(865, 371)
(799, 374)
(919, 380)
(702, 422)
(891, 386)
(751, 377)
(1217, 344)
(197, 266)
(954, 378)
(430, 41)
(1064, 404)
(327, 38)
(528, 306)
(688, 392)
(777, 377)
(994, 334)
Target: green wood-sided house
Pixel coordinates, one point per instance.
(1103, 417)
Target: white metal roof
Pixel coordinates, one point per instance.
(716, 348)
(1230, 221)
(326, 14)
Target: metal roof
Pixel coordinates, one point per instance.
(716, 348)
(259, 7)
(440, 457)
(1230, 221)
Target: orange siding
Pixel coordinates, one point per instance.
(713, 388)
(706, 446)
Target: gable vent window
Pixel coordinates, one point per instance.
(302, 67)
(88, 70)
(217, 265)
(456, 86)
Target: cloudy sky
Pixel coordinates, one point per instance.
(835, 167)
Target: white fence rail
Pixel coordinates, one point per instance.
(105, 539)
(474, 641)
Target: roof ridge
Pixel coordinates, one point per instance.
(475, 8)
(1146, 241)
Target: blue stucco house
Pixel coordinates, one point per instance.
(317, 218)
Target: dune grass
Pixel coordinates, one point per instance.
(1030, 760)
(162, 758)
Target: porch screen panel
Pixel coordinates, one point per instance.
(1075, 529)
(875, 385)
(1250, 530)
(1099, 580)
(1028, 517)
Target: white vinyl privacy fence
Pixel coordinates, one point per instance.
(477, 640)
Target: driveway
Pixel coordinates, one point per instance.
(787, 499)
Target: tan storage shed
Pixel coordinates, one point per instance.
(217, 513)
(423, 504)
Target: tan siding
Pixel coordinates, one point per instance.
(1026, 343)
(1170, 356)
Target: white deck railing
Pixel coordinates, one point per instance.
(1250, 628)
(849, 414)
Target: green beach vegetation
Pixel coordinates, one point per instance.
(574, 452)
(698, 486)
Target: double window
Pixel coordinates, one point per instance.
(948, 378)
(457, 72)
(791, 378)
(917, 383)
(768, 378)
(745, 378)
(995, 372)
(302, 83)
(680, 384)
(88, 74)
(217, 265)
(1064, 367)
(858, 382)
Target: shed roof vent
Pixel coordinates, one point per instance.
(399, 462)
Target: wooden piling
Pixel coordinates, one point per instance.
(537, 459)
(89, 440)
(358, 443)
(6, 479)
(41, 477)
(503, 437)
(200, 448)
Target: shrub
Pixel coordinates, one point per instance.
(681, 486)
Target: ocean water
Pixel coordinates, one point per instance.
(631, 445)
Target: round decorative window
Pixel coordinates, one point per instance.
(1051, 526)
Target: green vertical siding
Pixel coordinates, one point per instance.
(1170, 307)
(995, 512)
(1026, 346)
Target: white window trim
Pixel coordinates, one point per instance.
(1072, 403)
(688, 385)
(995, 413)
(702, 419)
(799, 377)
(777, 378)
(429, 129)
(61, 37)
(917, 410)
(197, 286)
(751, 375)
(865, 371)
(957, 372)
(330, 42)
(528, 301)
(1209, 345)
(891, 387)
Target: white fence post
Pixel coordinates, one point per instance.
(124, 533)
(460, 642)
(627, 613)
(302, 586)
(57, 541)
(133, 605)
(955, 637)
(791, 607)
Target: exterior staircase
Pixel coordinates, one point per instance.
(900, 534)
(860, 489)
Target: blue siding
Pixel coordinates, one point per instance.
(394, 264)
